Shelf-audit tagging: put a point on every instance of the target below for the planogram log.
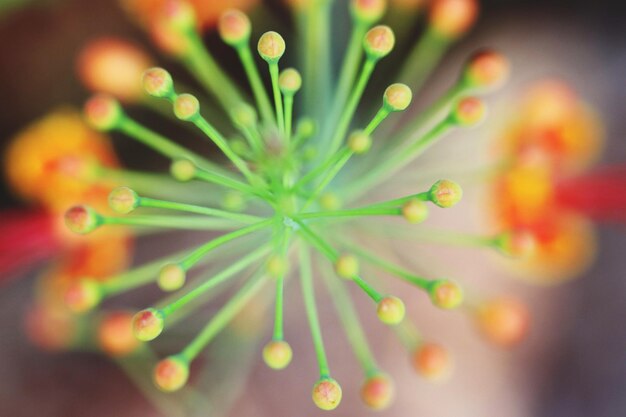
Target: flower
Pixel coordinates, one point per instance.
(299, 178)
(547, 149)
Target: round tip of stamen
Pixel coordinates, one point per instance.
(102, 112)
(171, 374)
(171, 277)
(306, 127)
(115, 334)
(397, 97)
(347, 266)
(446, 294)
(289, 81)
(359, 142)
(123, 200)
(157, 82)
(277, 266)
(503, 321)
(415, 211)
(432, 361)
(244, 115)
(234, 27)
(82, 219)
(368, 11)
(390, 310)
(148, 324)
(186, 107)
(183, 170)
(486, 69)
(83, 296)
(327, 394)
(277, 354)
(379, 42)
(445, 193)
(271, 46)
(468, 112)
(179, 15)
(452, 18)
(377, 392)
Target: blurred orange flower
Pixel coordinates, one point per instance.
(554, 138)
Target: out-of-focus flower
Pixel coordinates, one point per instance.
(552, 141)
(208, 11)
(113, 66)
(51, 164)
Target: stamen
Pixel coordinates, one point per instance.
(271, 47)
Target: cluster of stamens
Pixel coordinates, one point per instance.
(285, 208)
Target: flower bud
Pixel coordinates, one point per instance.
(179, 15)
(277, 266)
(186, 107)
(123, 200)
(397, 97)
(379, 42)
(115, 334)
(183, 170)
(359, 142)
(103, 112)
(468, 112)
(306, 127)
(327, 394)
(452, 18)
(148, 324)
(390, 310)
(368, 11)
(289, 81)
(171, 374)
(486, 69)
(277, 354)
(157, 82)
(271, 46)
(234, 27)
(330, 201)
(445, 294)
(377, 392)
(83, 296)
(503, 321)
(347, 266)
(82, 219)
(432, 361)
(244, 116)
(113, 66)
(171, 277)
(445, 193)
(415, 211)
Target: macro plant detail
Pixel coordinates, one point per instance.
(300, 174)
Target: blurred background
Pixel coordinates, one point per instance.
(574, 361)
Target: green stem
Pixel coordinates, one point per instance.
(258, 89)
(223, 317)
(171, 205)
(365, 211)
(423, 58)
(278, 101)
(221, 277)
(348, 111)
(308, 294)
(332, 255)
(288, 116)
(330, 175)
(191, 259)
(399, 159)
(348, 74)
(323, 167)
(171, 222)
(203, 66)
(377, 120)
(351, 324)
